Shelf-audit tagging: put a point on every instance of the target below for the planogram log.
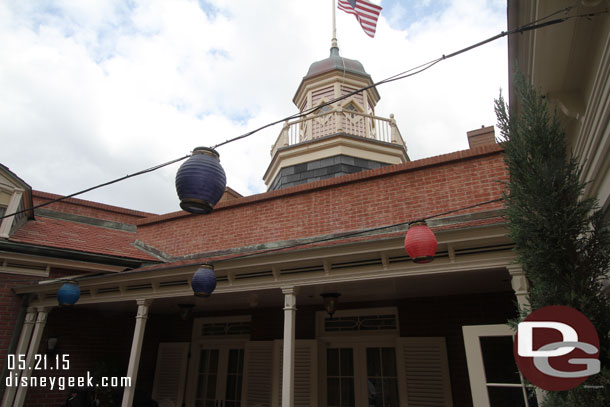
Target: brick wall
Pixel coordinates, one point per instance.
(367, 199)
(9, 309)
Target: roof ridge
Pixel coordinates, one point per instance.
(92, 204)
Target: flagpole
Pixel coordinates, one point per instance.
(334, 39)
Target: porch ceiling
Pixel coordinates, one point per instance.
(461, 283)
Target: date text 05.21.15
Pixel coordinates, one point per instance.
(40, 362)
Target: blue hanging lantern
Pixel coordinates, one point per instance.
(204, 281)
(68, 293)
(200, 181)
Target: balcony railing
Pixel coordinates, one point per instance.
(338, 121)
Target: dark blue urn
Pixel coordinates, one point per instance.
(200, 181)
(204, 281)
(68, 293)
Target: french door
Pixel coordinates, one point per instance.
(219, 375)
(494, 378)
(361, 375)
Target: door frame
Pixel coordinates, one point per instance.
(359, 345)
(474, 360)
(221, 342)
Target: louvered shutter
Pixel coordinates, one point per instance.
(170, 372)
(305, 373)
(258, 374)
(423, 372)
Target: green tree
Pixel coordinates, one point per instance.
(561, 238)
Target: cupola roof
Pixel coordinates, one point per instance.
(333, 62)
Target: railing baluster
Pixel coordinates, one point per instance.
(375, 127)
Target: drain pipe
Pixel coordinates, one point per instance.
(25, 301)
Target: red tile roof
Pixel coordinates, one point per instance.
(89, 208)
(64, 234)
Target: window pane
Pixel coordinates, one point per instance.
(498, 359)
(213, 367)
(388, 362)
(332, 362)
(201, 387)
(211, 388)
(375, 392)
(231, 387)
(234, 376)
(347, 362)
(382, 384)
(240, 366)
(203, 360)
(333, 392)
(347, 392)
(373, 362)
(390, 392)
(236, 361)
(340, 377)
(238, 389)
(505, 397)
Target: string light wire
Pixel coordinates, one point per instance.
(534, 25)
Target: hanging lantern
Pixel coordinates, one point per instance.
(68, 293)
(200, 181)
(330, 302)
(204, 281)
(420, 243)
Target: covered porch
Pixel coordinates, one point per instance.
(264, 337)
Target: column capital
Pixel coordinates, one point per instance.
(290, 290)
(515, 269)
(30, 318)
(144, 301)
(143, 305)
(519, 284)
(43, 313)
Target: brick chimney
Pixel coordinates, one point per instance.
(481, 137)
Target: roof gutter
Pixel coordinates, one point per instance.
(36, 250)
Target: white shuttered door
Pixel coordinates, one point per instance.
(258, 374)
(423, 366)
(170, 372)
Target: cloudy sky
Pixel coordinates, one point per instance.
(94, 90)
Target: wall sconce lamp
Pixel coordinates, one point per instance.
(52, 344)
(330, 302)
(186, 310)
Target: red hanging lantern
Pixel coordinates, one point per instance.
(420, 243)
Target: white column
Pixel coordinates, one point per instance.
(290, 309)
(41, 321)
(520, 285)
(22, 348)
(136, 350)
(521, 288)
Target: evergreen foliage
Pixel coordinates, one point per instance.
(561, 238)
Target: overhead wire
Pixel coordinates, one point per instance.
(536, 24)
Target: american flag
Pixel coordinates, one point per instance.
(366, 13)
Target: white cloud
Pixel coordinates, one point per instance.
(95, 90)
